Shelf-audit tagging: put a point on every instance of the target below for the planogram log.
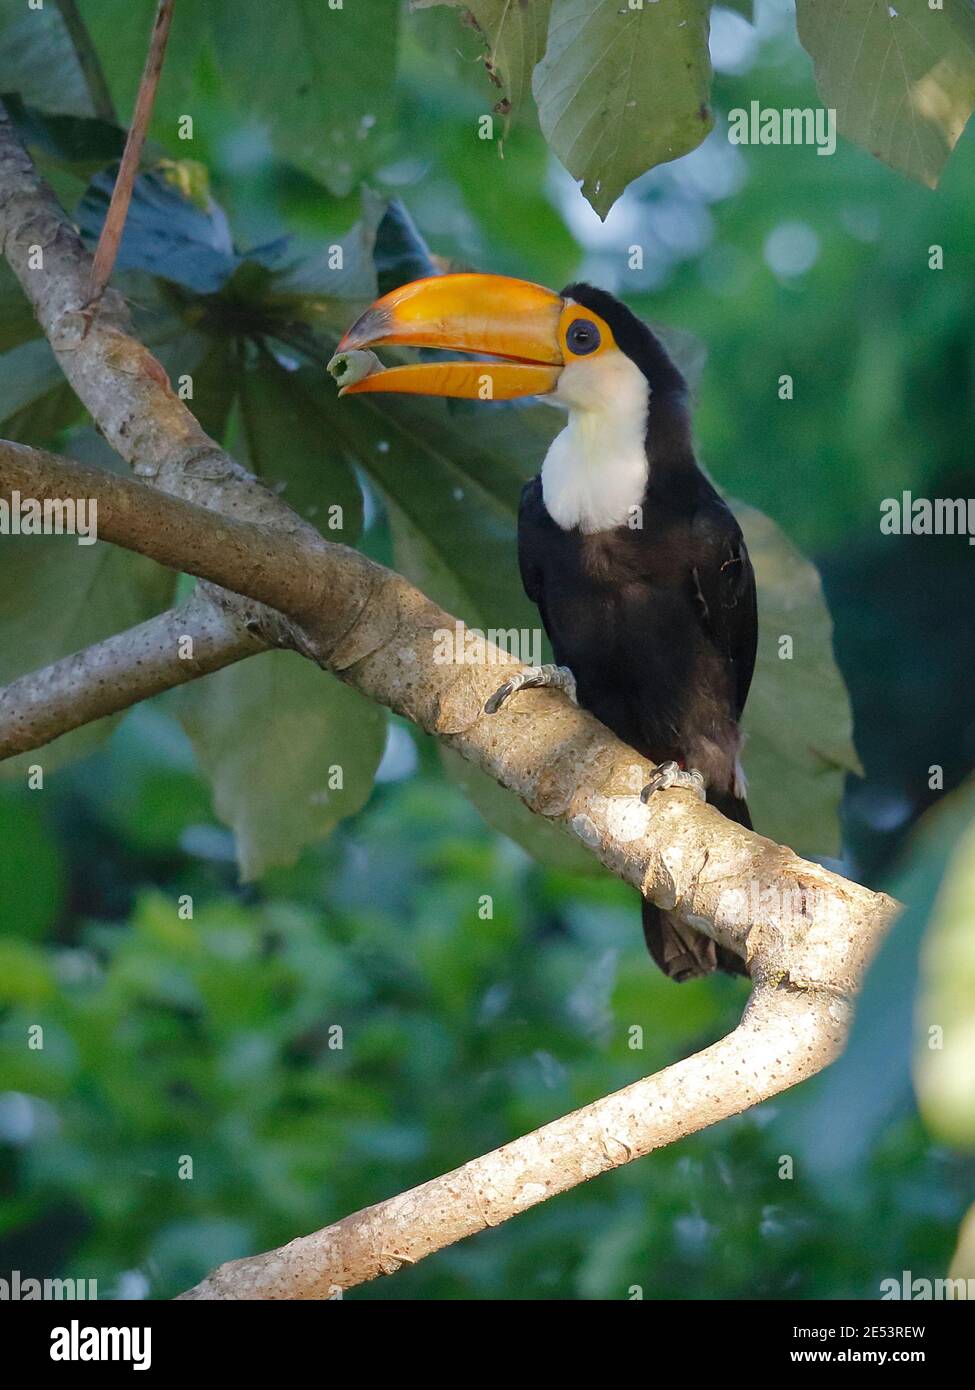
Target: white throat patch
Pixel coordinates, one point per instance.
(595, 471)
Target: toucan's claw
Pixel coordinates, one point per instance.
(672, 775)
(555, 677)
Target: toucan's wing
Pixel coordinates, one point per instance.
(724, 585)
(531, 520)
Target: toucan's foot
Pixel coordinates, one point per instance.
(555, 677)
(672, 775)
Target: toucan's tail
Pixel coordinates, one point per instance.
(683, 953)
(679, 950)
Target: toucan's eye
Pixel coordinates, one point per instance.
(582, 337)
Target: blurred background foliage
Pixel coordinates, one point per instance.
(336, 1029)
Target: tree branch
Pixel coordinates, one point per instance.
(119, 672)
(114, 225)
(807, 933)
(380, 634)
(782, 1038)
(123, 386)
(88, 61)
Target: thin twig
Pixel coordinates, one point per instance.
(88, 61)
(111, 236)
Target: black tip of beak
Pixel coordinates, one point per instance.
(370, 327)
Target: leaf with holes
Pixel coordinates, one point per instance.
(514, 33)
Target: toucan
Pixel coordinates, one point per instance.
(636, 564)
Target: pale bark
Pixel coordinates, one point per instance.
(782, 1038)
(115, 674)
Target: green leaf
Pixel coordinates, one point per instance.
(31, 871)
(320, 77)
(620, 91)
(269, 734)
(36, 403)
(17, 321)
(860, 1096)
(79, 594)
(214, 379)
(454, 477)
(290, 445)
(507, 813)
(900, 76)
(34, 45)
(798, 722)
(400, 254)
(944, 1057)
(166, 233)
(514, 35)
(80, 145)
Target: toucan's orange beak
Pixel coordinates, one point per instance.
(513, 320)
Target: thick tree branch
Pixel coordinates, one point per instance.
(782, 1038)
(806, 933)
(380, 634)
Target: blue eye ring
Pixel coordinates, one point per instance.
(582, 337)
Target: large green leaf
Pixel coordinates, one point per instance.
(289, 444)
(79, 594)
(870, 1086)
(621, 90)
(17, 322)
(798, 722)
(454, 478)
(34, 45)
(166, 233)
(546, 842)
(944, 1059)
(901, 77)
(270, 734)
(514, 34)
(36, 402)
(79, 145)
(320, 77)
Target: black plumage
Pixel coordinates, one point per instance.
(658, 623)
